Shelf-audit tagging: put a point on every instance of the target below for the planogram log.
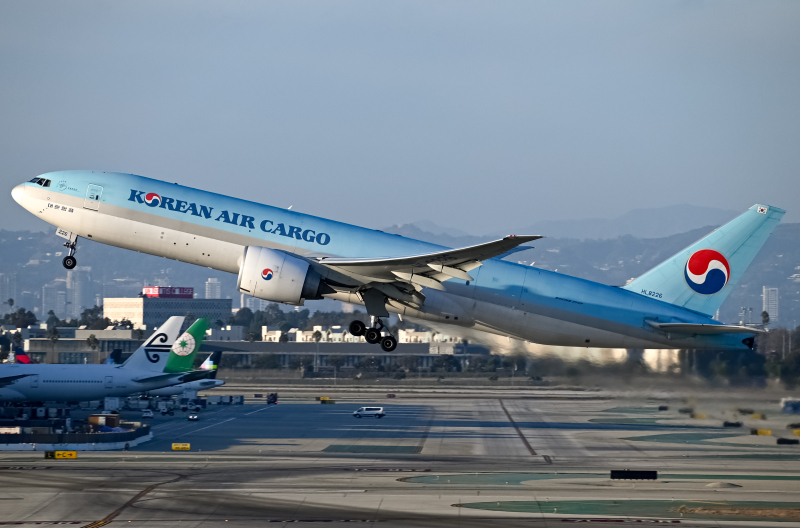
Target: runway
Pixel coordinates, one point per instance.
(435, 460)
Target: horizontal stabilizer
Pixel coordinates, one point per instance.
(704, 329)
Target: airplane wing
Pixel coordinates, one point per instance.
(704, 329)
(7, 380)
(176, 378)
(428, 269)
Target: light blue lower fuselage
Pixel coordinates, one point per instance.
(212, 230)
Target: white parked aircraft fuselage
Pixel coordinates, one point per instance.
(48, 382)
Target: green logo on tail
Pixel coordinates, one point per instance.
(181, 357)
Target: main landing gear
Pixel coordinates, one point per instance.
(70, 261)
(373, 334)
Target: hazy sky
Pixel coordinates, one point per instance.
(478, 115)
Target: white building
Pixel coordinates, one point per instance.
(770, 301)
(253, 304)
(226, 333)
(213, 289)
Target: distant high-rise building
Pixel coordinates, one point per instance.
(53, 299)
(8, 289)
(253, 304)
(770, 298)
(213, 289)
(78, 295)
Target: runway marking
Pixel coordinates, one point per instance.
(425, 433)
(206, 427)
(409, 470)
(259, 410)
(38, 523)
(519, 431)
(113, 515)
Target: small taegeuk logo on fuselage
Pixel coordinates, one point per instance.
(266, 274)
(707, 271)
(152, 199)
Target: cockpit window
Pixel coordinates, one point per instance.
(41, 181)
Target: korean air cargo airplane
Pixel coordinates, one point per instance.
(288, 257)
(165, 359)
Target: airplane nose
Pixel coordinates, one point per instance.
(18, 193)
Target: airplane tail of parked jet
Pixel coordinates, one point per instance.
(154, 353)
(702, 276)
(184, 350)
(20, 356)
(114, 357)
(212, 364)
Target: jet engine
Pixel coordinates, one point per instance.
(278, 276)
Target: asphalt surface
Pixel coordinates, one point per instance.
(434, 460)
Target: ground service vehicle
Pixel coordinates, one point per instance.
(369, 412)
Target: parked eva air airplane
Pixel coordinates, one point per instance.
(165, 359)
(288, 257)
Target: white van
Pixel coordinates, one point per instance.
(377, 412)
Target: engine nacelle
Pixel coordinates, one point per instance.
(278, 276)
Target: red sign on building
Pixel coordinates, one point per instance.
(168, 292)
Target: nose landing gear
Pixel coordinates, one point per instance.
(70, 261)
(373, 334)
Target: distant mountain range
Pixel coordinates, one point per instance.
(642, 223)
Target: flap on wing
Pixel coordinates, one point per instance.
(428, 268)
(704, 329)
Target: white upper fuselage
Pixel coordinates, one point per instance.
(45, 382)
(212, 230)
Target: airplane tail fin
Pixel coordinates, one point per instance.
(20, 356)
(153, 354)
(181, 357)
(114, 357)
(212, 363)
(702, 276)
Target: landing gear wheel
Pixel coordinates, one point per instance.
(358, 328)
(69, 262)
(388, 343)
(372, 336)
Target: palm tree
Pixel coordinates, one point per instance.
(316, 336)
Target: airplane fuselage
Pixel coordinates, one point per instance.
(212, 230)
(45, 382)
